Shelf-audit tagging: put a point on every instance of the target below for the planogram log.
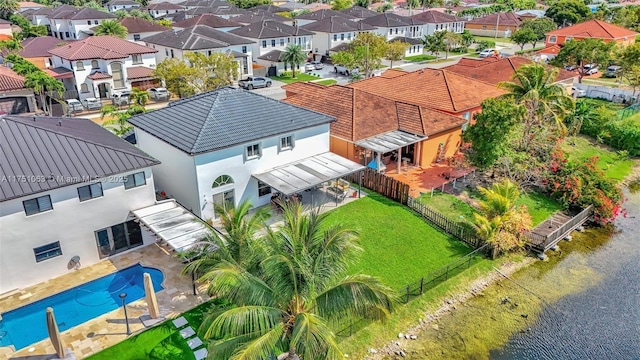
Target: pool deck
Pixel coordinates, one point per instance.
(108, 329)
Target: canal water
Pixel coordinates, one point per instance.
(583, 303)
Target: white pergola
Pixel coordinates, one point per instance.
(390, 141)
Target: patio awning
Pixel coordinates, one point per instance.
(307, 173)
(390, 141)
(173, 224)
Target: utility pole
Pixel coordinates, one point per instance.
(497, 24)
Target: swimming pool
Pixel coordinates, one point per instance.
(27, 325)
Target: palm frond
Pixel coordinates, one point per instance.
(313, 339)
(261, 347)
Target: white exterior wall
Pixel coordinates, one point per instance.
(71, 222)
(392, 32)
(131, 36)
(414, 50)
(281, 44)
(231, 161)
(456, 27)
(114, 8)
(80, 76)
(73, 27)
(416, 31)
(40, 20)
(166, 52)
(160, 13)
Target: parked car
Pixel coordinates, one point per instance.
(159, 94)
(309, 67)
(613, 71)
(590, 69)
(317, 65)
(343, 70)
(575, 92)
(570, 67)
(121, 98)
(74, 105)
(92, 103)
(487, 52)
(253, 82)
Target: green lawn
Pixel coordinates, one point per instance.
(300, 76)
(491, 38)
(635, 117)
(582, 148)
(419, 58)
(326, 82)
(162, 342)
(449, 205)
(399, 247)
(540, 206)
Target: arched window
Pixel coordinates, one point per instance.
(79, 65)
(84, 88)
(118, 77)
(221, 181)
(552, 39)
(94, 64)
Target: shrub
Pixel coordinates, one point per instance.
(484, 44)
(286, 73)
(604, 126)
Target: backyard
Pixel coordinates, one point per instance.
(616, 165)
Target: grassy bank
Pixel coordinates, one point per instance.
(614, 165)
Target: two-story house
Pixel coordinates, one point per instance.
(268, 36)
(209, 20)
(115, 5)
(389, 25)
(68, 188)
(260, 15)
(138, 28)
(102, 65)
(205, 40)
(333, 31)
(438, 21)
(36, 50)
(308, 18)
(224, 10)
(76, 23)
(161, 9)
(495, 25)
(232, 145)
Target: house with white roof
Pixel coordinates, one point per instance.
(115, 5)
(232, 145)
(69, 22)
(66, 196)
(102, 65)
(205, 40)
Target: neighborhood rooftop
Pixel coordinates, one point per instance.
(269, 29)
(100, 47)
(196, 37)
(594, 29)
(63, 150)
(224, 118)
(137, 25)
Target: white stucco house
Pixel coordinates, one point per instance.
(67, 191)
(231, 145)
(268, 36)
(69, 22)
(115, 5)
(158, 10)
(438, 21)
(138, 28)
(390, 25)
(205, 40)
(333, 31)
(102, 65)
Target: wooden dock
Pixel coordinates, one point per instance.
(547, 234)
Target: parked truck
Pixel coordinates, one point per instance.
(254, 82)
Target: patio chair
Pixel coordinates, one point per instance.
(200, 354)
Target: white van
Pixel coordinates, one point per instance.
(121, 98)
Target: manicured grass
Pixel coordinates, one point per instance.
(540, 206)
(419, 58)
(158, 343)
(614, 165)
(491, 38)
(635, 117)
(450, 206)
(399, 247)
(326, 82)
(300, 76)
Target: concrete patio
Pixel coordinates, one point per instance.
(108, 329)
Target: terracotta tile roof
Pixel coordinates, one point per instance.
(136, 25)
(99, 75)
(5, 37)
(208, 20)
(391, 73)
(361, 115)
(100, 47)
(269, 30)
(26, 4)
(9, 80)
(40, 46)
(550, 50)
(139, 72)
(594, 29)
(433, 88)
(493, 70)
(506, 19)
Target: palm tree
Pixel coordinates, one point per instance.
(298, 285)
(12, 46)
(139, 97)
(582, 113)
(293, 55)
(8, 7)
(42, 83)
(501, 222)
(545, 102)
(118, 123)
(111, 27)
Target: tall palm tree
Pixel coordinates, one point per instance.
(545, 102)
(8, 7)
(111, 27)
(42, 84)
(293, 55)
(118, 123)
(285, 303)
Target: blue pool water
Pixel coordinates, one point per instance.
(27, 325)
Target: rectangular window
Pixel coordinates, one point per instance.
(335, 37)
(37, 205)
(96, 22)
(484, 27)
(47, 251)
(89, 192)
(134, 180)
(264, 43)
(342, 37)
(286, 143)
(253, 151)
(273, 43)
(244, 49)
(171, 53)
(390, 31)
(282, 42)
(118, 238)
(66, 34)
(136, 37)
(166, 52)
(349, 36)
(79, 66)
(263, 188)
(88, 22)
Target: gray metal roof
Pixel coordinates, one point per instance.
(390, 141)
(307, 173)
(44, 153)
(197, 37)
(224, 117)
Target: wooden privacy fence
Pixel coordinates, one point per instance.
(382, 184)
(445, 224)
